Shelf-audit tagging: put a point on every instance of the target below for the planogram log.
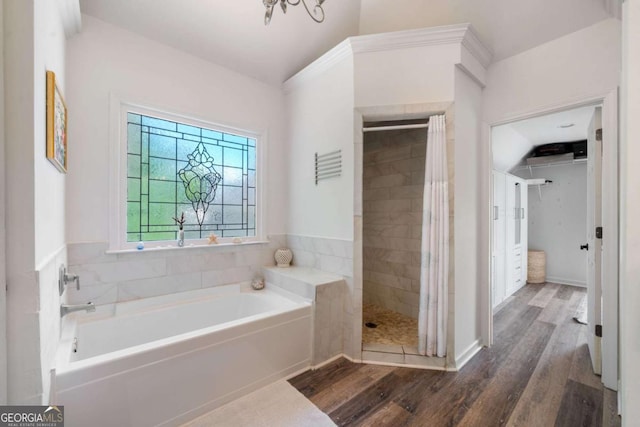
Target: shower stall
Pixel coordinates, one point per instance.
(393, 187)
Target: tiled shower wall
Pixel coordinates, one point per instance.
(393, 185)
(108, 278)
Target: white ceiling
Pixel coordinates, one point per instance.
(547, 129)
(232, 33)
(511, 142)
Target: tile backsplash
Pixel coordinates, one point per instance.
(330, 255)
(108, 278)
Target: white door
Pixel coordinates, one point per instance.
(498, 287)
(524, 230)
(594, 257)
(516, 233)
(512, 257)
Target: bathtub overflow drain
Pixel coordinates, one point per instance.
(371, 325)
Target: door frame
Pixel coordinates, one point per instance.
(594, 245)
(610, 222)
(498, 219)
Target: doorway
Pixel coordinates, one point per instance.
(545, 154)
(389, 220)
(393, 186)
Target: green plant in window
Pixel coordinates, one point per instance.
(200, 180)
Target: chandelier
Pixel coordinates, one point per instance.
(317, 13)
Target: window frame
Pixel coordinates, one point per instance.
(118, 175)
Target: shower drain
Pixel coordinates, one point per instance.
(371, 325)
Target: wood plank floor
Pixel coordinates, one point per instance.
(538, 373)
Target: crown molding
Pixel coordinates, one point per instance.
(460, 34)
(448, 34)
(336, 54)
(475, 46)
(409, 38)
(71, 16)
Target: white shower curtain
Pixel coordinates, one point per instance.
(434, 264)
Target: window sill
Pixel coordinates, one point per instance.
(185, 247)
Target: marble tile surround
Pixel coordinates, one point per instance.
(393, 186)
(108, 278)
(327, 291)
(330, 255)
(333, 256)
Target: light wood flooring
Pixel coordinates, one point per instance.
(537, 373)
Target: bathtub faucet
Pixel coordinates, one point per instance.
(67, 308)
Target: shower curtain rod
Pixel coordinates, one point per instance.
(395, 127)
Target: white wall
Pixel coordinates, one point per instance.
(558, 222)
(630, 212)
(35, 197)
(49, 194)
(550, 76)
(405, 76)
(560, 71)
(49, 48)
(320, 114)
(319, 110)
(508, 147)
(105, 60)
(470, 269)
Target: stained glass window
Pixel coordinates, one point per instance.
(173, 167)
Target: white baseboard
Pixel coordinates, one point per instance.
(564, 281)
(332, 359)
(511, 291)
(351, 359)
(466, 355)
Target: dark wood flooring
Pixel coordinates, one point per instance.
(538, 373)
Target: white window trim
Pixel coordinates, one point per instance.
(118, 181)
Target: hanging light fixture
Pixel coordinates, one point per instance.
(316, 13)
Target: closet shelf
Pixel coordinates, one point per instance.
(539, 182)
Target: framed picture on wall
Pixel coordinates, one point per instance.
(56, 125)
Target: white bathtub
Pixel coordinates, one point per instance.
(166, 360)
